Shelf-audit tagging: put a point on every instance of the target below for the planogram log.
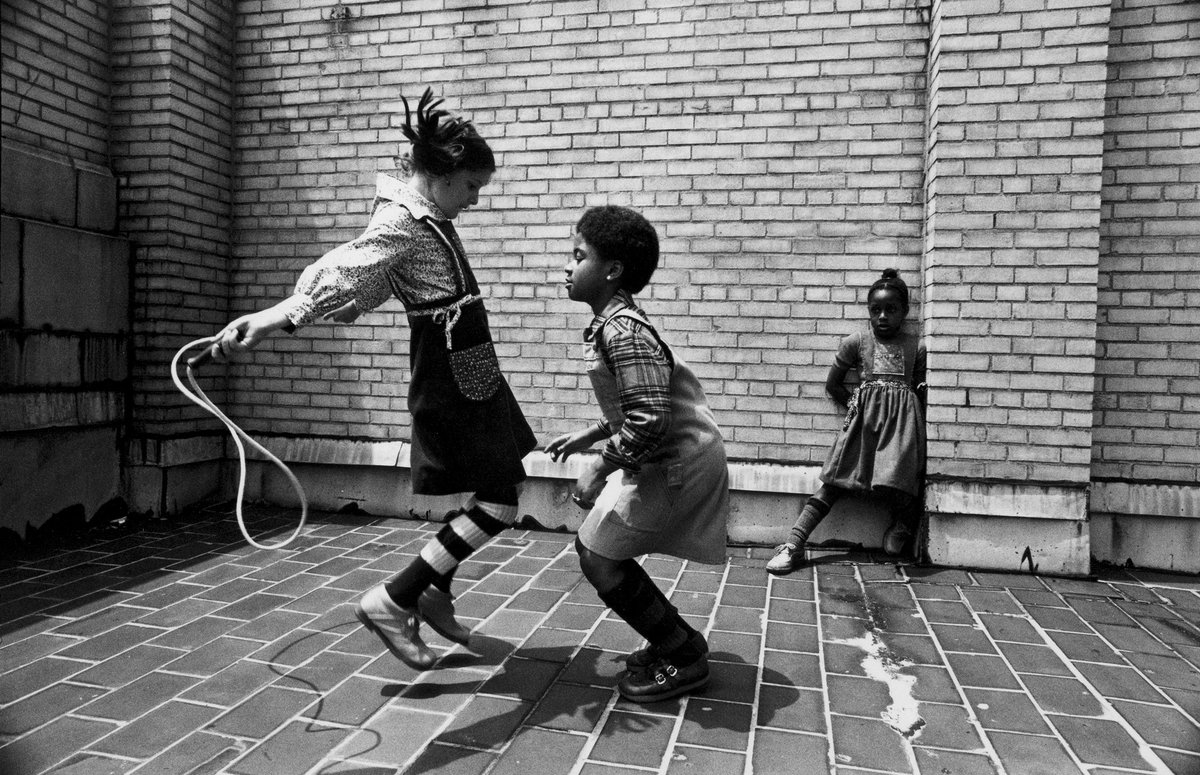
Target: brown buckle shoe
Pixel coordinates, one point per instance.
(663, 680)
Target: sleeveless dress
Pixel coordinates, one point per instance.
(678, 502)
(468, 432)
(881, 446)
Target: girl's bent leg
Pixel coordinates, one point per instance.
(677, 652)
(790, 555)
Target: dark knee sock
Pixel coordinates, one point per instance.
(642, 605)
(814, 511)
(457, 540)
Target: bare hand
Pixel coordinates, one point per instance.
(591, 482)
(246, 332)
(567, 444)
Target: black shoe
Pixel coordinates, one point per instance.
(663, 680)
(644, 657)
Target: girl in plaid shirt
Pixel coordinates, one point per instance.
(661, 482)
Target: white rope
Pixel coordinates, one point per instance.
(198, 397)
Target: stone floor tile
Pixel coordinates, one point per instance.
(1130, 637)
(351, 703)
(138, 697)
(917, 649)
(716, 724)
(792, 611)
(591, 768)
(737, 619)
(437, 691)
(212, 657)
(37, 675)
(522, 679)
(271, 625)
(511, 625)
(233, 684)
(572, 616)
(19, 653)
(797, 586)
(102, 621)
(319, 600)
(1179, 761)
(843, 659)
(732, 682)
(538, 600)
(1029, 658)
(934, 684)
(947, 726)
(551, 645)
(1160, 725)
(196, 633)
(633, 738)
(439, 760)
(994, 601)
(89, 763)
(1010, 628)
(570, 707)
(953, 762)
(540, 752)
(1063, 695)
(44, 706)
(786, 753)
(791, 708)
(1167, 671)
(614, 636)
(960, 638)
(296, 648)
(293, 750)
(1099, 741)
(50, 744)
(1057, 619)
(1008, 711)
(868, 743)
(1031, 753)
(783, 636)
(690, 760)
(593, 667)
(262, 713)
(857, 696)
(154, 732)
(127, 666)
(200, 753)
(734, 647)
(485, 722)
(694, 603)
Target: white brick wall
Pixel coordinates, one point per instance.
(778, 153)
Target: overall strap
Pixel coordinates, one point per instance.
(629, 312)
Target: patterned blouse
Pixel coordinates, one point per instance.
(395, 256)
(643, 373)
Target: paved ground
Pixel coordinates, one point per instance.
(186, 651)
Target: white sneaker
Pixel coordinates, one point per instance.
(788, 557)
(397, 627)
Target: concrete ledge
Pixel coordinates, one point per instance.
(1011, 544)
(1007, 500)
(22, 412)
(1147, 525)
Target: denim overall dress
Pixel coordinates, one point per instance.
(678, 503)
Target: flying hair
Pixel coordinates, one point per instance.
(442, 143)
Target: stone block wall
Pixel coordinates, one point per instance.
(64, 339)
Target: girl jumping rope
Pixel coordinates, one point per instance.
(468, 434)
(881, 447)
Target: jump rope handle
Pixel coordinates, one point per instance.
(203, 359)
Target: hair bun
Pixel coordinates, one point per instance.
(890, 274)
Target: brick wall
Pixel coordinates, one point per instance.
(171, 147)
(777, 149)
(54, 77)
(1012, 252)
(1148, 391)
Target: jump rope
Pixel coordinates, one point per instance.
(197, 396)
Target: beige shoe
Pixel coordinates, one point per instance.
(437, 609)
(397, 627)
(788, 557)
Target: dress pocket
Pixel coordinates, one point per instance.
(476, 371)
